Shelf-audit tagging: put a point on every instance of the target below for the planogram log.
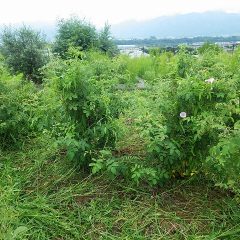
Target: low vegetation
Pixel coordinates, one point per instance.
(113, 147)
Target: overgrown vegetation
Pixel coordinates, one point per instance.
(43, 197)
(113, 147)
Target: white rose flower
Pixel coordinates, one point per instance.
(183, 114)
(210, 80)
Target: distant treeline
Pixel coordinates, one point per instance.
(153, 41)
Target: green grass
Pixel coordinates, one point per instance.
(43, 197)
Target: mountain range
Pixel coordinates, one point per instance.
(177, 26)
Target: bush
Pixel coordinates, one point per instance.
(16, 111)
(223, 162)
(106, 43)
(24, 51)
(209, 47)
(79, 34)
(91, 101)
(186, 119)
(180, 144)
(75, 33)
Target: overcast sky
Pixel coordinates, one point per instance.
(100, 11)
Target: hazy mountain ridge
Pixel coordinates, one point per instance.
(185, 25)
(176, 26)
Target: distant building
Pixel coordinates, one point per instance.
(131, 50)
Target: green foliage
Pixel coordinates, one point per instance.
(139, 67)
(184, 63)
(181, 146)
(202, 88)
(209, 47)
(89, 95)
(24, 51)
(106, 43)
(223, 161)
(184, 123)
(129, 167)
(74, 32)
(16, 111)
(90, 102)
(42, 197)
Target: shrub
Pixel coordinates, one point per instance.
(223, 162)
(209, 47)
(24, 51)
(91, 101)
(16, 111)
(180, 144)
(75, 33)
(106, 43)
(79, 34)
(184, 117)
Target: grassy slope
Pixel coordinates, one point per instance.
(42, 197)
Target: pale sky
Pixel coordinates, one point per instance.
(100, 11)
